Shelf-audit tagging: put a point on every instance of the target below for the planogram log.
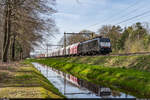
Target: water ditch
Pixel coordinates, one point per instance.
(73, 87)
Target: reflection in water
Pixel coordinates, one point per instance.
(73, 87)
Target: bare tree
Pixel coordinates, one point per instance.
(23, 25)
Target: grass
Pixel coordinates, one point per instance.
(25, 92)
(140, 62)
(24, 81)
(133, 80)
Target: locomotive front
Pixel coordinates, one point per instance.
(105, 45)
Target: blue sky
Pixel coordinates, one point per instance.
(73, 16)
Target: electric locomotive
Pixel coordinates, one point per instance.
(95, 46)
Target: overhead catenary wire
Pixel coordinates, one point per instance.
(137, 19)
(124, 10)
(144, 13)
(108, 18)
(130, 13)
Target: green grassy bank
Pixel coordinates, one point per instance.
(139, 62)
(25, 81)
(94, 69)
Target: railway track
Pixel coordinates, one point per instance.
(130, 54)
(121, 54)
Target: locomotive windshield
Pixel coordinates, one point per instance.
(105, 42)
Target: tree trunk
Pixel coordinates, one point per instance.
(21, 55)
(13, 48)
(7, 33)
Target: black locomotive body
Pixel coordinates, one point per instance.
(95, 46)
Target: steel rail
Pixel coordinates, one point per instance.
(121, 54)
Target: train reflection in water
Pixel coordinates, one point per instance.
(97, 89)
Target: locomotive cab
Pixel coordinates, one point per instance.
(105, 45)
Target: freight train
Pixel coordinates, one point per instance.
(98, 45)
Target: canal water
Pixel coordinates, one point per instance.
(73, 87)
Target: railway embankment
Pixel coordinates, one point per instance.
(126, 73)
(139, 62)
(22, 80)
